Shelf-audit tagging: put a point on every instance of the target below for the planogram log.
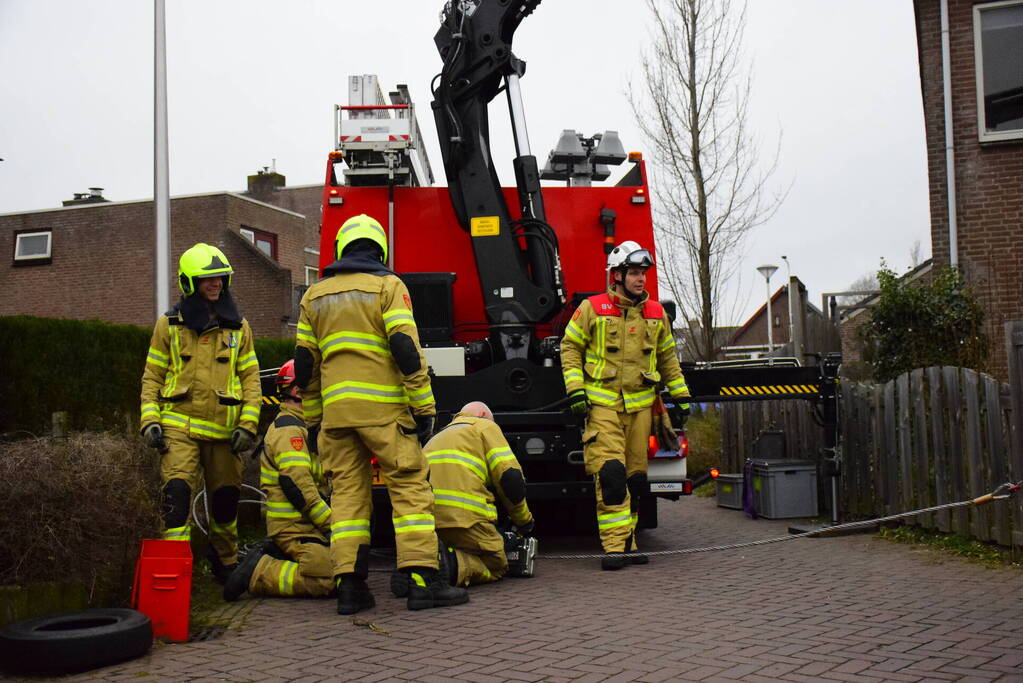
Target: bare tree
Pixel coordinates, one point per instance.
(692, 106)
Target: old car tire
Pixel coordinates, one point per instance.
(74, 641)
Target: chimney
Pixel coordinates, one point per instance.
(93, 196)
(266, 181)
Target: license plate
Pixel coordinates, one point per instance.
(666, 486)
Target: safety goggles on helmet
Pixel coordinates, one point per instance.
(640, 258)
(202, 261)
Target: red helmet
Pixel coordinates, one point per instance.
(285, 378)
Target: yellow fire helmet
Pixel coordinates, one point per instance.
(360, 227)
(202, 260)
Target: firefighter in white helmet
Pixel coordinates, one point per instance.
(363, 375)
(618, 347)
(201, 400)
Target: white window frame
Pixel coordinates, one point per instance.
(34, 257)
(978, 59)
(315, 275)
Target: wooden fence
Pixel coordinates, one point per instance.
(931, 436)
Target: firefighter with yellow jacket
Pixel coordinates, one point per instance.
(617, 349)
(363, 375)
(200, 401)
(470, 461)
(297, 516)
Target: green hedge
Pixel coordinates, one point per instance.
(88, 368)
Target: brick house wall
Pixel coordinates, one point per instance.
(102, 259)
(989, 177)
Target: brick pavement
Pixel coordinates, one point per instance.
(853, 608)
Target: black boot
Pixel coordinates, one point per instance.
(220, 571)
(238, 582)
(447, 564)
(636, 557)
(613, 561)
(428, 588)
(352, 594)
(399, 583)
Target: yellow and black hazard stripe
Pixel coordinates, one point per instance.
(271, 401)
(770, 390)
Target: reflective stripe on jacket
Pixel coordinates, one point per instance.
(205, 384)
(618, 351)
(467, 459)
(353, 323)
(286, 454)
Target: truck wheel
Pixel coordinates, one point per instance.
(647, 513)
(75, 641)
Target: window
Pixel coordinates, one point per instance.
(998, 46)
(312, 274)
(264, 241)
(32, 247)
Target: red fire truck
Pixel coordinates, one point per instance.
(494, 272)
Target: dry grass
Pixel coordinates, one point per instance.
(77, 509)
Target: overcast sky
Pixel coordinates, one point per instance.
(256, 80)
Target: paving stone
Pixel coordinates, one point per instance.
(847, 608)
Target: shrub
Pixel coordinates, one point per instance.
(90, 369)
(77, 510)
(920, 325)
(704, 431)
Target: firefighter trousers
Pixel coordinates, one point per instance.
(189, 462)
(479, 551)
(308, 574)
(346, 454)
(615, 452)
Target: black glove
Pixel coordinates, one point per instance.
(152, 434)
(578, 402)
(311, 437)
(678, 414)
(241, 440)
(527, 528)
(424, 427)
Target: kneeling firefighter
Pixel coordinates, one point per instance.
(297, 514)
(470, 461)
(201, 400)
(616, 350)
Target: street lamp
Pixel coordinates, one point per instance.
(792, 307)
(767, 271)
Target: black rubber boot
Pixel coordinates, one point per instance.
(613, 561)
(238, 582)
(220, 571)
(447, 564)
(428, 588)
(352, 594)
(636, 557)
(399, 583)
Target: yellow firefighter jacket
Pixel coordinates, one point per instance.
(292, 478)
(467, 459)
(368, 368)
(618, 351)
(204, 384)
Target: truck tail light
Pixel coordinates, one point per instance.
(653, 451)
(687, 487)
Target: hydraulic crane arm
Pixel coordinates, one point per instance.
(521, 287)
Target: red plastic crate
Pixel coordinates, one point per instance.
(163, 587)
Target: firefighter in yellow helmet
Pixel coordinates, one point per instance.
(200, 401)
(617, 349)
(363, 375)
(470, 462)
(297, 559)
